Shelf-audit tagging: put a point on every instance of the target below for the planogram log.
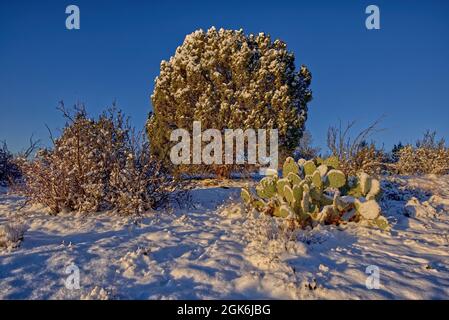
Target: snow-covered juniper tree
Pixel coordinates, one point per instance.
(5, 157)
(227, 79)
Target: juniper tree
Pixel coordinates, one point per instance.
(395, 151)
(9, 171)
(227, 79)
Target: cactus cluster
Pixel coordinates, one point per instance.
(317, 192)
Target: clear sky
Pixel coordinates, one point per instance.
(401, 70)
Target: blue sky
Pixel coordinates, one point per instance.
(400, 71)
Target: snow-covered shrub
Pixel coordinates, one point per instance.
(227, 79)
(368, 158)
(11, 234)
(97, 293)
(316, 192)
(141, 183)
(428, 157)
(96, 165)
(9, 171)
(356, 154)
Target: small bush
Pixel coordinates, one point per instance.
(11, 235)
(428, 157)
(97, 165)
(356, 155)
(367, 158)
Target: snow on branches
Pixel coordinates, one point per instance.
(227, 79)
(97, 165)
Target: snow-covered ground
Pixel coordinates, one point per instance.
(214, 250)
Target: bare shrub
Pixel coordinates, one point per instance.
(97, 165)
(356, 154)
(429, 156)
(11, 234)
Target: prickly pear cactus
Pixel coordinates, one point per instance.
(322, 169)
(290, 166)
(281, 183)
(332, 162)
(294, 179)
(309, 167)
(315, 192)
(266, 188)
(246, 196)
(374, 191)
(317, 179)
(336, 178)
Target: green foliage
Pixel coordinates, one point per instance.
(290, 166)
(336, 179)
(319, 195)
(266, 188)
(227, 79)
(294, 178)
(332, 162)
(9, 170)
(316, 179)
(309, 167)
(246, 196)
